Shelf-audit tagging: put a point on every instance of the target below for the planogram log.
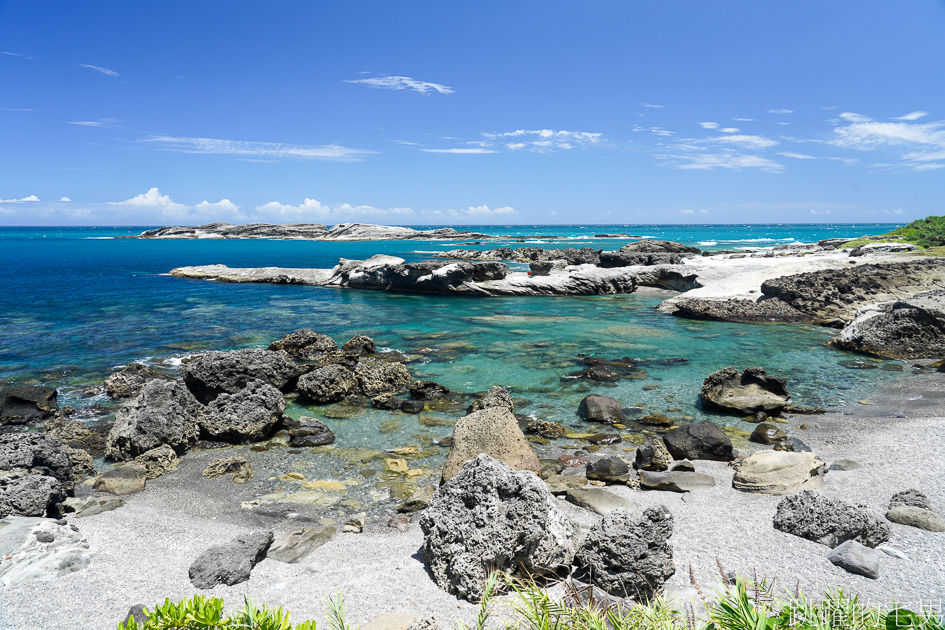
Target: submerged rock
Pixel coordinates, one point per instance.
(229, 563)
(163, 413)
(596, 408)
(213, 373)
(428, 390)
(492, 517)
(249, 415)
(306, 432)
(829, 521)
(127, 382)
(546, 429)
(628, 555)
(495, 432)
(382, 377)
(745, 392)
(27, 403)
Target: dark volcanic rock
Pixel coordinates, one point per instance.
(610, 260)
(230, 563)
(35, 454)
(213, 373)
(127, 382)
(738, 310)
(249, 415)
(629, 555)
(702, 440)
(745, 392)
(305, 344)
(328, 384)
(608, 469)
(164, 412)
(428, 390)
(31, 495)
(310, 432)
(27, 403)
(912, 498)
(388, 402)
(829, 521)
(652, 455)
(492, 517)
(598, 408)
(910, 328)
(361, 345)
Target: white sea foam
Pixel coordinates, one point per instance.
(708, 243)
(98, 238)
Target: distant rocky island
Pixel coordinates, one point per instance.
(339, 232)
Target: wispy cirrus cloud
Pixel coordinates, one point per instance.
(725, 160)
(13, 54)
(797, 156)
(403, 83)
(923, 143)
(743, 140)
(462, 150)
(106, 123)
(912, 116)
(105, 71)
(544, 140)
(243, 148)
(651, 105)
(780, 111)
(17, 109)
(314, 210)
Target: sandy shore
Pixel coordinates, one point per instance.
(144, 549)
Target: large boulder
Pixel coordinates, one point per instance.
(779, 473)
(664, 247)
(249, 415)
(745, 392)
(911, 328)
(230, 563)
(360, 345)
(628, 554)
(428, 390)
(652, 455)
(495, 397)
(596, 408)
(27, 403)
(382, 377)
(495, 432)
(164, 412)
(213, 373)
(24, 494)
(327, 384)
(128, 381)
(35, 454)
(829, 521)
(492, 517)
(305, 344)
(701, 440)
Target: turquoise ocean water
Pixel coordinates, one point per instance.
(77, 302)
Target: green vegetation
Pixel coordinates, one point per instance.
(927, 232)
(746, 605)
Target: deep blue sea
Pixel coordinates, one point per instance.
(75, 303)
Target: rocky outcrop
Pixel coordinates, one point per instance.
(27, 403)
(382, 377)
(660, 247)
(597, 408)
(213, 373)
(360, 345)
(495, 432)
(738, 310)
(127, 382)
(628, 555)
(230, 563)
(328, 384)
(35, 454)
(779, 473)
(610, 260)
(164, 412)
(305, 344)
(428, 390)
(829, 521)
(701, 440)
(495, 397)
(249, 415)
(833, 295)
(36, 548)
(745, 392)
(158, 461)
(23, 494)
(652, 455)
(910, 328)
(492, 517)
(309, 231)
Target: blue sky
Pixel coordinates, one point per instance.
(145, 113)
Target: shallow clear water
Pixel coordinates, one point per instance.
(73, 305)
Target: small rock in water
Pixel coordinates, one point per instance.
(602, 439)
(857, 558)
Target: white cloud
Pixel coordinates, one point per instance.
(152, 204)
(213, 146)
(659, 131)
(17, 109)
(729, 130)
(107, 123)
(105, 71)
(20, 200)
(476, 150)
(912, 116)
(749, 142)
(312, 209)
(152, 200)
(731, 161)
(403, 83)
(780, 111)
(820, 210)
(855, 118)
(709, 125)
(64, 199)
(929, 167)
(744, 119)
(544, 140)
(479, 211)
(926, 140)
(687, 211)
(798, 156)
(651, 105)
(13, 54)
